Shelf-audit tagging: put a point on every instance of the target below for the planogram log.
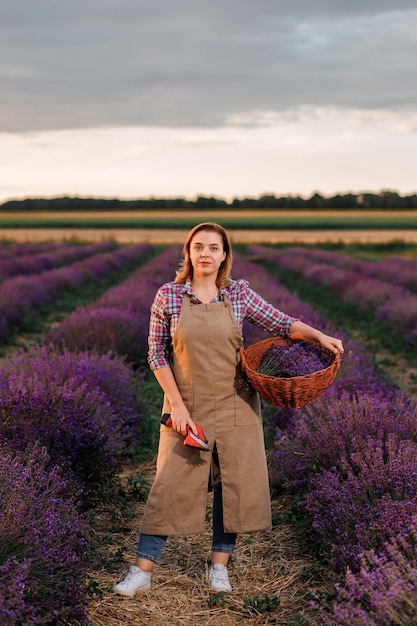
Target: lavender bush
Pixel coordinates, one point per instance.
(396, 270)
(367, 499)
(22, 296)
(14, 608)
(383, 591)
(350, 457)
(104, 330)
(389, 303)
(30, 263)
(118, 321)
(82, 407)
(316, 436)
(44, 551)
(9, 250)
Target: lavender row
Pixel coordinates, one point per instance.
(67, 419)
(118, 321)
(83, 408)
(24, 264)
(13, 249)
(80, 406)
(399, 271)
(73, 415)
(350, 458)
(45, 551)
(389, 303)
(22, 296)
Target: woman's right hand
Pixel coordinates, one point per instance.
(180, 418)
(180, 415)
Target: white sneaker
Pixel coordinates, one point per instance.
(136, 580)
(219, 578)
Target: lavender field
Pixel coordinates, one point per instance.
(72, 413)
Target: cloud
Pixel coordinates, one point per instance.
(327, 150)
(403, 121)
(107, 63)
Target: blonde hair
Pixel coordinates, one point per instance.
(185, 269)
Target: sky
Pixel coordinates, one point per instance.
(227, 98)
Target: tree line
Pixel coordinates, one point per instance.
(389, 200)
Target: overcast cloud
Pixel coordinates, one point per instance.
(111, 63)
(222, 97)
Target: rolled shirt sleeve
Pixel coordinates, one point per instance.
(264, 315)
(159, 337)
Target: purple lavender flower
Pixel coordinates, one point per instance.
(296, 359)
(81, 406)
(15, 607)
(104, 330)
(22, 295)
(45, 259)
(361, 284)
(383, 591)
(44, 547)
(118, 321)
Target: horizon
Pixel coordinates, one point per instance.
(305, 198)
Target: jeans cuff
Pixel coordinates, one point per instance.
(148, 557)
(150, 547)
(224, 547)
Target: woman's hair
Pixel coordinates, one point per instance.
(185, 269)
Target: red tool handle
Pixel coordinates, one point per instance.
(195, 441)
(166, 419)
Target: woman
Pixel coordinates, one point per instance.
(194, 340)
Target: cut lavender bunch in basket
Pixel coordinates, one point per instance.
(297, 359)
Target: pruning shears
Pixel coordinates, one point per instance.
(198, 441)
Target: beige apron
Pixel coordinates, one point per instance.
(207, 370)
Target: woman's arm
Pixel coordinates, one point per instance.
(180, 415)
(300, 330)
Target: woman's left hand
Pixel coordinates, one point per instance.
(301, 330)
(330, 343)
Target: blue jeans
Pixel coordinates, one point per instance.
(150, 546)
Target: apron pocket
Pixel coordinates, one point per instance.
(247, 401)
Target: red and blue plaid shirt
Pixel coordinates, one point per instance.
(246, 305)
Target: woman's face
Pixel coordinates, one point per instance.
(206, 253)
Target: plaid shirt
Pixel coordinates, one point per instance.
(246, 305)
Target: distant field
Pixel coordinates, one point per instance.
(249, 226)
(176, 236)
(235, 220)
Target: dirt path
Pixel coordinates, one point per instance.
(271, 563)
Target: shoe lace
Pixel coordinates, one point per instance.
(130, 576)
(220, 574)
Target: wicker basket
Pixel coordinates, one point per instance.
(286, 392)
